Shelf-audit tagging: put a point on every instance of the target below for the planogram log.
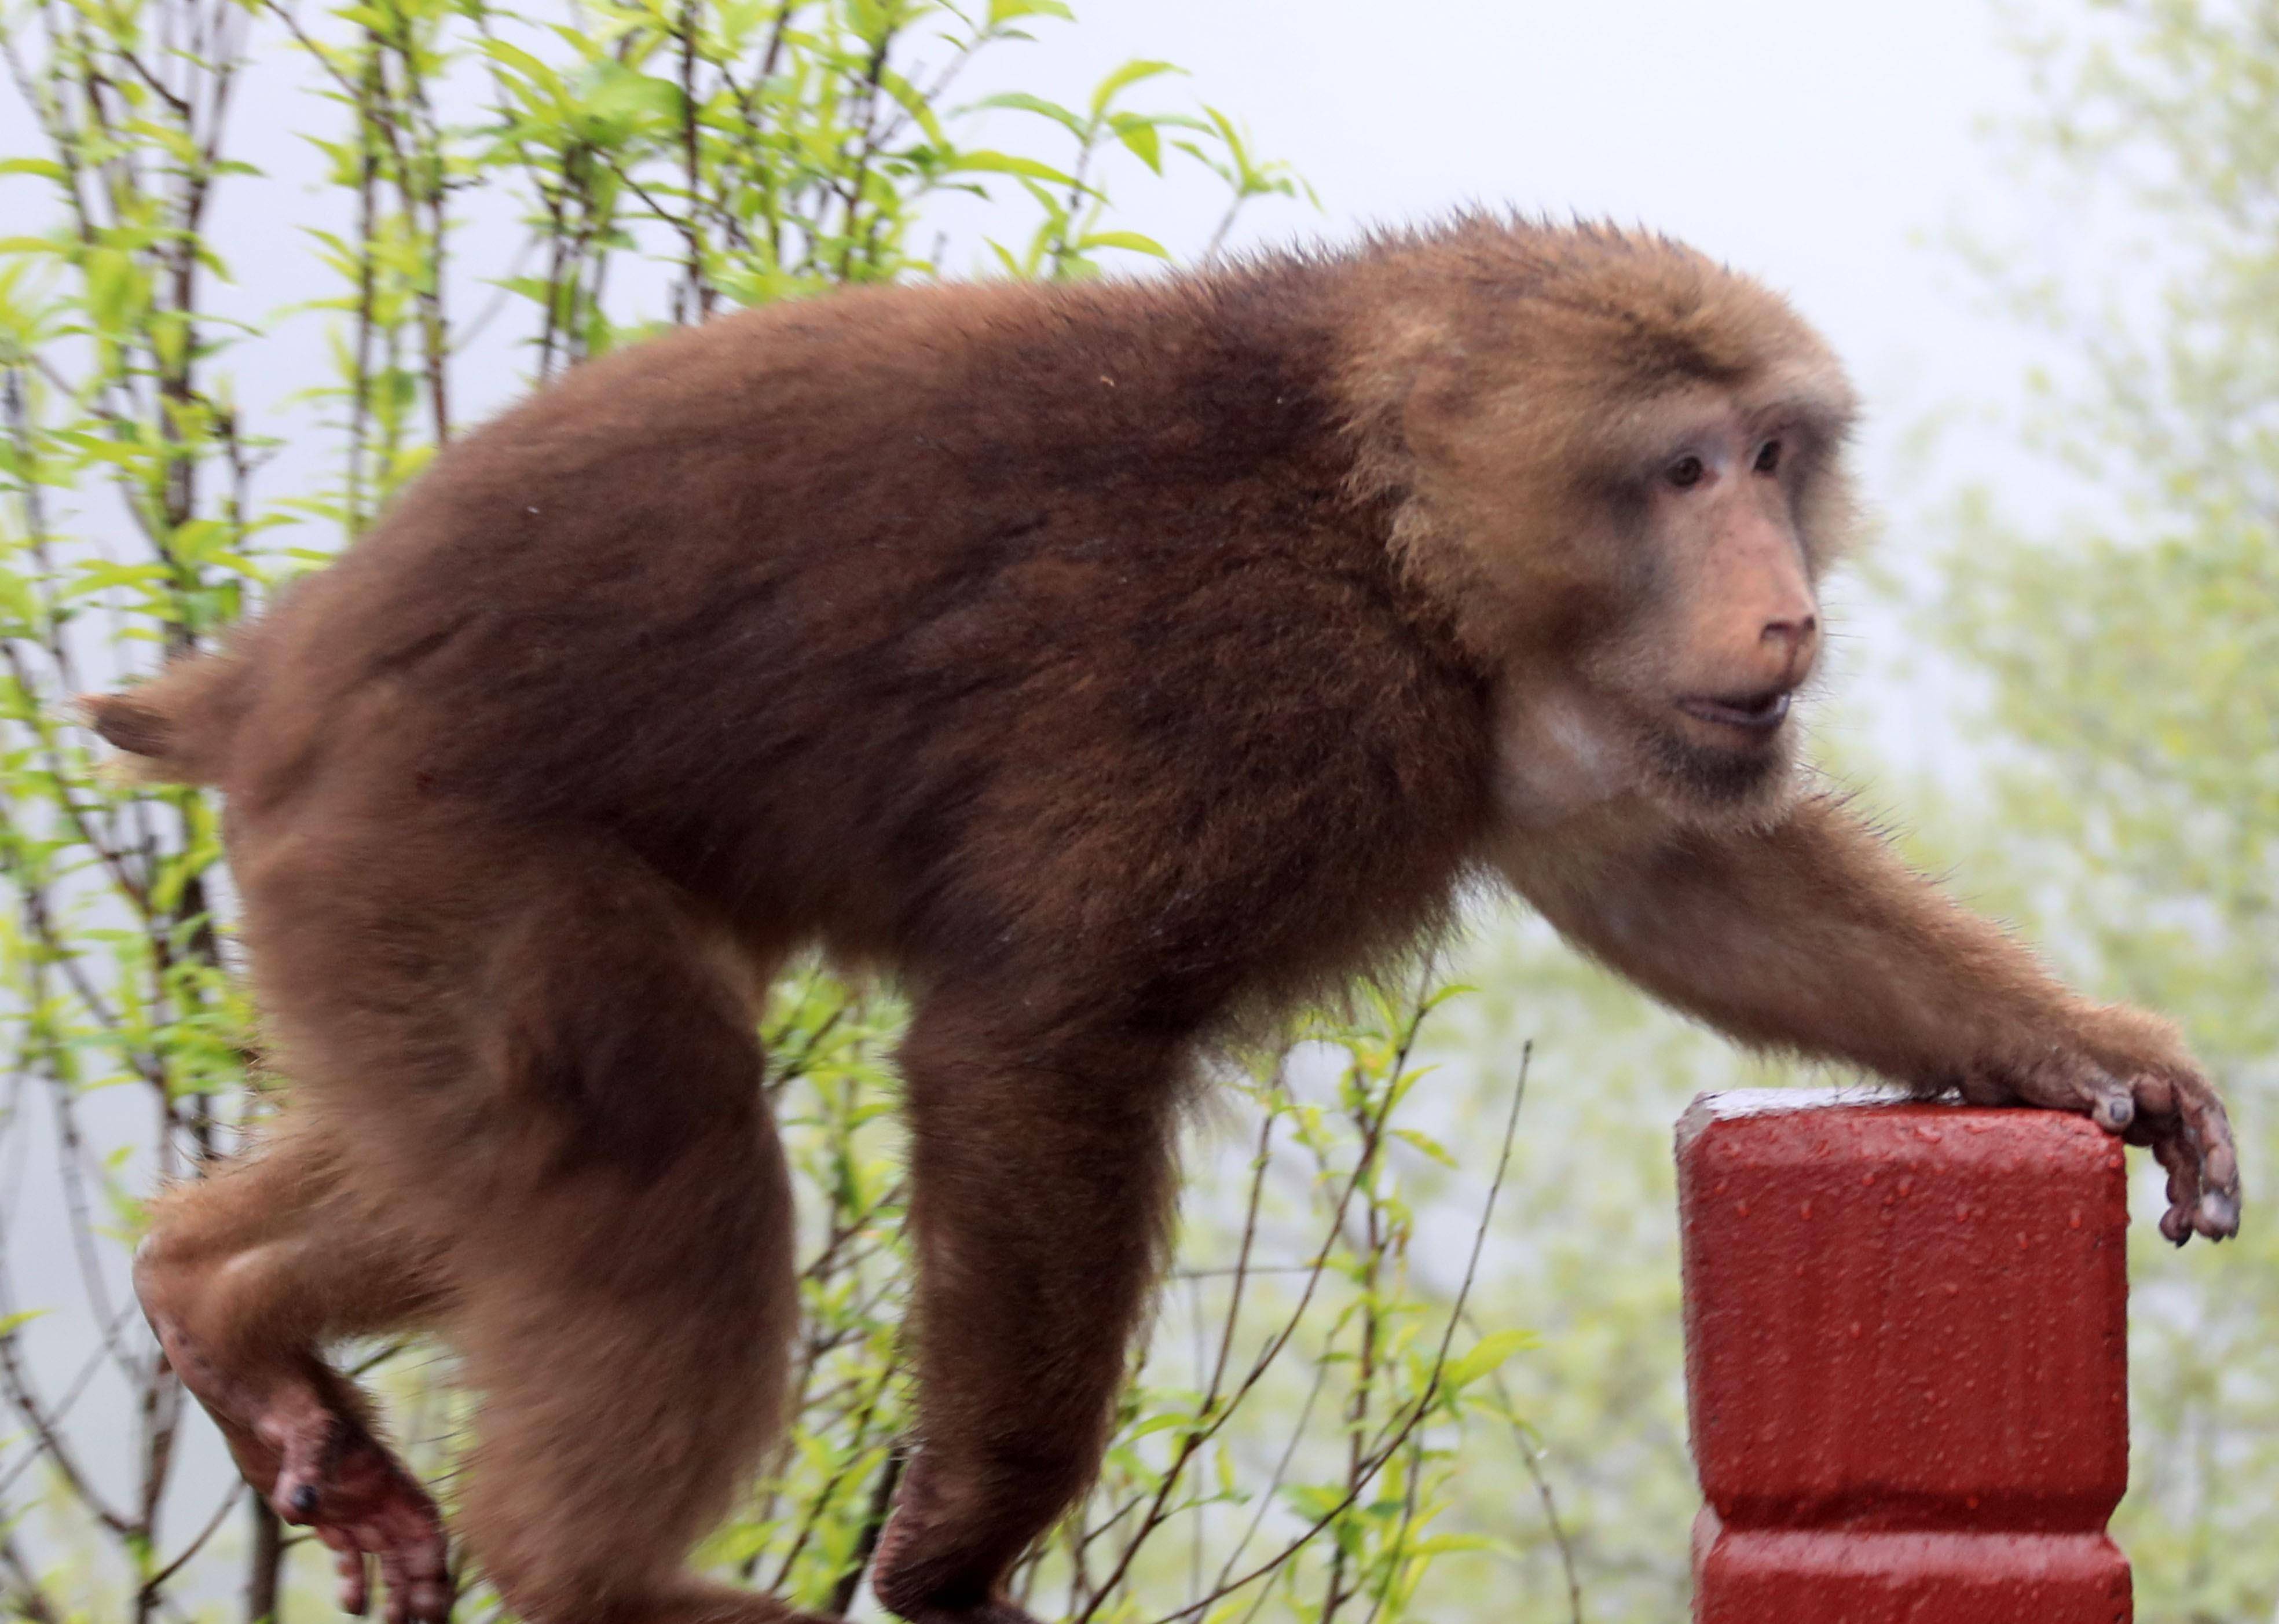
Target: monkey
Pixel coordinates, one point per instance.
(1114, 664)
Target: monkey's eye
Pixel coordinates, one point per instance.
(1769, 456)
(1685, 472)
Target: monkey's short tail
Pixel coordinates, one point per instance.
(178, 725)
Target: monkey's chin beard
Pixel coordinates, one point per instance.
(1745, 782)
(1568, 752)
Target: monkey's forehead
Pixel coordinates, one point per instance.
(1588, 314)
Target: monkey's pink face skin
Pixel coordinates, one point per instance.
(1748, 629)
(1698, 623)
(1732, 615)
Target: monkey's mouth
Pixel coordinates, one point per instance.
(1755, 713)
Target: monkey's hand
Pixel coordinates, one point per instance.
(2129, 1073)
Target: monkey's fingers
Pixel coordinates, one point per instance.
(414, 1560)
(2182, 1121)
(2178, 1115)
(2113, 1104)
(2171, 1152)
(2208, 1132)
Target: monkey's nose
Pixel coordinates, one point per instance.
(1795, 639)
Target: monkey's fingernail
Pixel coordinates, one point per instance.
(2116, 1112)
(2176, 1224)
(2219, 1214)
(304, 1501)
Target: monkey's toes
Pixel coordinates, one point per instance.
(364, 1505)
(355, 1578)
(418, 1581)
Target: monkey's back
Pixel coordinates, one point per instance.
(939, 622)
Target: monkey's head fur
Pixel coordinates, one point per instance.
(1619, 467)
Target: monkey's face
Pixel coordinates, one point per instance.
(1624, 493)
(1653, 629)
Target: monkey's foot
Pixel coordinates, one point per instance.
(301, 1434)
(914, 1580)
(335, 1477)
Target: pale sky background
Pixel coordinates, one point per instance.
(1817, 143)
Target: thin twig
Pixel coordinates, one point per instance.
(1424, 1403)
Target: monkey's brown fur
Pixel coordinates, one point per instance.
(1110, 662)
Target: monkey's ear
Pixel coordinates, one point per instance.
(1403, 380)
(1464, 422)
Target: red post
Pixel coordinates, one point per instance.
(1906, 1361)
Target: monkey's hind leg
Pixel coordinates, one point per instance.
(626, 1290)
(244, 1276)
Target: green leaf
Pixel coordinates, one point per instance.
(1444, 1544)
(912, 101)
(1313, 1501)
(1142, 137)
(1487, 1354)
(1004, 12)
(1165, 1421)
(1130, 240)
(1021, 101)
(1006, 163)
(46, 168)
(615, 101)
(1130, 73)
(1430, 1146)
(523, 62)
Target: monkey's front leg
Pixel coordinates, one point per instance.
(1810, 935)
(1041, 1182)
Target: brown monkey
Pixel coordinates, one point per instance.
(1111, 663)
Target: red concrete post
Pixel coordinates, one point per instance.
(1906, 1361)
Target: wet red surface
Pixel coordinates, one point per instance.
(1907, 1361)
